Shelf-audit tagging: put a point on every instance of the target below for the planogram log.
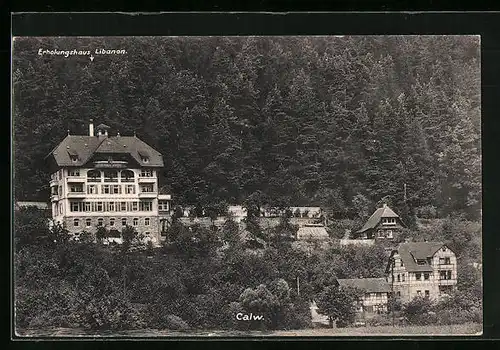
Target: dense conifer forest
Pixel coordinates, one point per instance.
(332, 121)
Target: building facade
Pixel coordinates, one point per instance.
(375, 298)
(427, 269)
(384, 223)
(110, 181)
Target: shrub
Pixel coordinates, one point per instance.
(459, 307)
(417, 311)
(394, 304)
(457, 316)
(338, 304)
(230, 320)
(101, 233)
(426, 212)
(339, 228)
(380, 320)
(87, 237)
(296, 315)
(108, 312)
(176, 323)
(259, 301)
(51, 305)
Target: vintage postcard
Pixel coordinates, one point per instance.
(240, 186)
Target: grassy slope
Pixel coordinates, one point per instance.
(464, 329)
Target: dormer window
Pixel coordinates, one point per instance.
(144, 156)
(73, 156)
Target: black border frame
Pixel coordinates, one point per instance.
(486, 24)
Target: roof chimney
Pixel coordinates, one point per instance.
(102, 130)
(385, 205)
(91, 127)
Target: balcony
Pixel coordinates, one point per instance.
(148, 194)
(115, 164)
(94, 179)
(53, 183)
(147, 180)
(77, 194)
(77, 179)
(448, 266)
(54, 197)
(450, 282)
(111, 179)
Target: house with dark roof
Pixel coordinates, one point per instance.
(107, 181)
(427, 269)
(376, 294)
(384, 223)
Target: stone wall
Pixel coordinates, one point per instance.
(153, 228)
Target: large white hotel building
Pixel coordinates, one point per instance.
(111, 181)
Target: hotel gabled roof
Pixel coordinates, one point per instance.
(86, 146)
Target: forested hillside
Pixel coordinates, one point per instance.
(332, 121)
